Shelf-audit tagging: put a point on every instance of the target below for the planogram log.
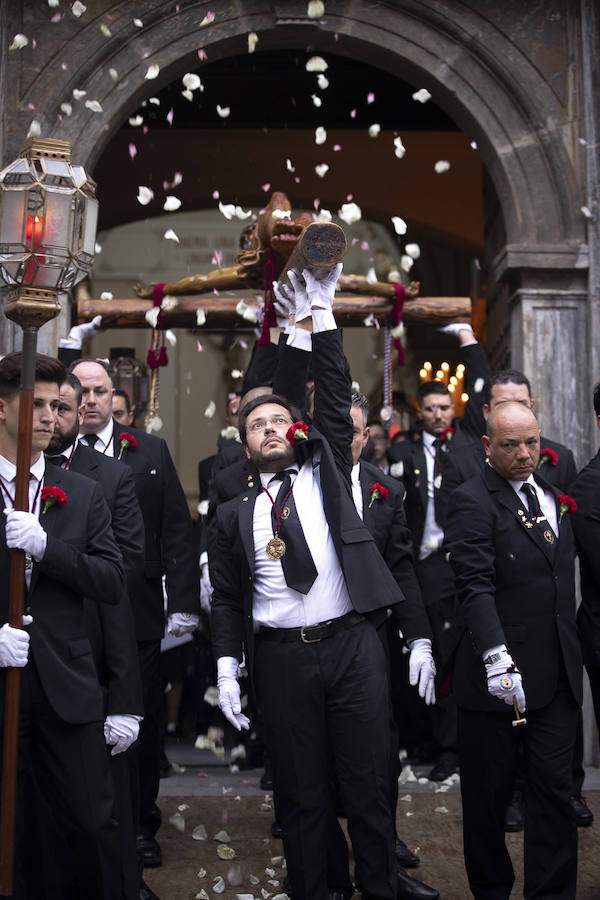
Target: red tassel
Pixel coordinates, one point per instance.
(163, 359)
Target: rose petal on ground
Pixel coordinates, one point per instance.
(178, 822)
(441, 809)
(138, 23)
(222, 837)
(399, 148)
(225, 852)
(105, 30)
(78, 94)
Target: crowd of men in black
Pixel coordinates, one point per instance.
(337, 567)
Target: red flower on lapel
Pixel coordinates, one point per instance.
(447, 434)
(297, 432)
(52, 495)
(378, 492)
(548, 455)
(126, 442)
(567, 505)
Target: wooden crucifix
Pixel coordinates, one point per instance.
(271, 245)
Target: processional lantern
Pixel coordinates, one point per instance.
(48, 216)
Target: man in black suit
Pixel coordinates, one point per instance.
(111, 629)
(585, 490)
(71, 553)
(170, 550)
(304, 622)
(512, 551)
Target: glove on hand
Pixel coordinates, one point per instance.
(504, 680)
(301, 301)
(229, 693)
(181, 623)
(320, 285)
(121, 731)
(79, 332)
(14, 645)
(421, 669)
(24, 532)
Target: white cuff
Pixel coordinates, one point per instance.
(300, 338)
(227, 666)
(501, 648)
(323, 320)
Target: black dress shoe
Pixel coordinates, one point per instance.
(408, 888)
(583, 814)
(276, 830)
(514, 813)
(446, 766)
(405, 857)
(147, 893)
(149, 851)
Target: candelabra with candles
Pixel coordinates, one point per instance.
(454, 382)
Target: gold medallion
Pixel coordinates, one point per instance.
(549, 535)
(275, 548)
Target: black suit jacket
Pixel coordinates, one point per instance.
(513, 588)
(413, 475)
(170, 546)
(586, 527)
(81, 559)
(386, 520)
(370, 584)
(466, 462)
(111, 628)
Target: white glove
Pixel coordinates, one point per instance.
(14, 645)
(421, 669)
(301, 302)
(205, 589)
(320, 285)
(455, 327)
(284, 307)
(79, 332)
(181, 623)
(230, 699)
(504, 680)
(24, 532)
(121, 731)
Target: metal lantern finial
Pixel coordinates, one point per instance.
(48, 217)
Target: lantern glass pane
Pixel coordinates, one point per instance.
(58, 219)
(58, 173)
(91, 221)
(12, 204)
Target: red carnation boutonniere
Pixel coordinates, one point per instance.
(126, 442)
(567, 505)
(297, 432)
(50, 496)
(548, 455)
(447, 434)
(378, 492)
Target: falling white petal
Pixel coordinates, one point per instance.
(242, 213)
(316, 100)
(400, 226)
(106, 295)
(406, 263)
(138, 23)
(322, 170)
(323, 215)
(152, 72)
(323, 82)
(35, 129)
(154, 101)
(151, 316)
(586, 212)
(188, 95)
(136, 121)
(171, 236)
(227, 209)
(316, 9)
(422, 95)
(371, 275)
(473, 145)
(18, 42)
(191, 81)
(223, 111)
(105, 30)
(316, 64)
(320, 135)
(208, 18)
(281, 214)
(210, 410)
(78, 9)
(289, 166)
(350, 213)
(369, 321)
(252, 41)
(200, 317)
(399, 148)
(97, 247)
(236, 373)
(374, 130)
(53, 3)
(171, 337)
(145, 195)
(113, 74)
(441, 166)
(171, 204)
(93, 105)
(413, 250)
(66, 108)
(78, 94)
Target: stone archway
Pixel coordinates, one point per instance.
(506, 80)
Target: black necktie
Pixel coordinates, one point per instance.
(91, 439)
(535, 512)
(533, 504)
(297, 563)
(59, 460)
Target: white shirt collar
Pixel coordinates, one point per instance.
(428, 439)
(105, 435)
(8, 470)
(356, 473)
(516, 485)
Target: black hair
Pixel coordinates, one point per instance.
(74, 382)
(506, 376)
(48, 369)
(597, 398)
(254, 404)
(119, 392)
(431, 387)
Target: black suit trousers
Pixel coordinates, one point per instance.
(322, 701)
(488, 748)
(149, 745)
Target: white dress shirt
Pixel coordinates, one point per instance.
(357, 489)
(104, 440)
(433, 535)
(545, 499)
(8, 473)
(276, 605)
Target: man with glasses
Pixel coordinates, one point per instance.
(298, 588)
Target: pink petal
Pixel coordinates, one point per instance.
(199, 349)
(132, 150)
(371, 98)
(352, 113)
(170, 116)
(202, 54)
(297, 180)
(337, 147)
(64, 66)
(56, 17)
(364, 245)
(215, 195)
(317, 203)
(265, 187)
(144, 129)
